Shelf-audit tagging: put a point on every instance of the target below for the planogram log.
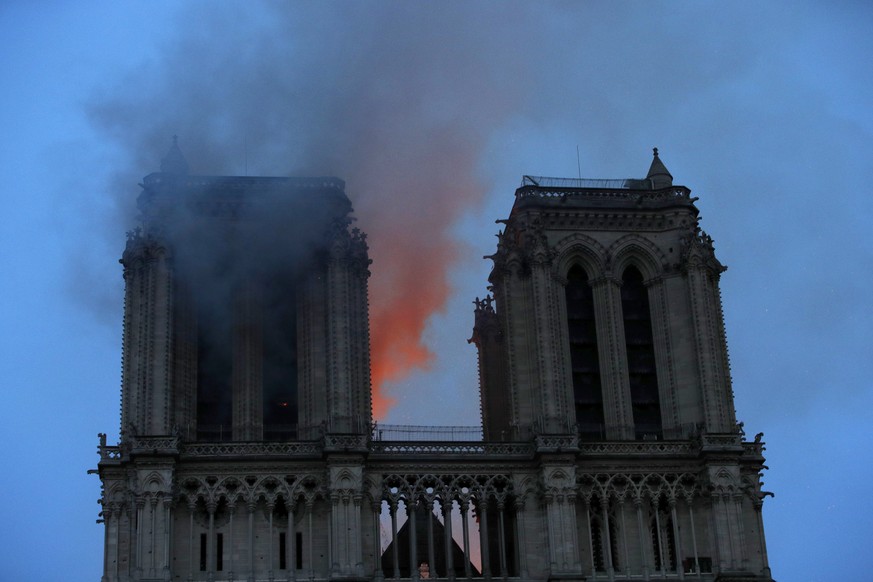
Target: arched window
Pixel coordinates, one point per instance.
(642, 374)
(663, 538)
(280, 359)
(604, 535)
(214, 367)
(584, 358)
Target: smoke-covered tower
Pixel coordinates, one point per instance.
(245, 341)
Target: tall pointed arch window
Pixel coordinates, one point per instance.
(642, 374)
(280, 398)
(584, 358)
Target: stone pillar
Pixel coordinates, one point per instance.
(679, 554)
(109, 545)
(140, 523)
(511, 287)
(465, 525)
(638, 504)
(521, 537)
(251, 506)
(501, 538)
(291, 543)
(607, 530)
(270, 564)
(618, 413)
(431, 557)
(659, 308)
(192, 506)
(148, 333)
(167, 559)
(248, 363)
(702, 272)
(392, 508)
(482, 507)
(378, 574)
(690, 501)
(446, 507)
(413, 539)
(623, 527)
(339, 334)
(550, 384)
(231, 508)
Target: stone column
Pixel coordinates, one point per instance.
(465, 525)
(252, 506)
(711, 346)
(676, 536)
(153, 504)
(659, 308)
(413, 540)
(618, 413)
(765, 562)
(690, 501)
(248, 363)
(394, 543)
(623, 528)
(638, 504)
(140, 522)
(169, 532)
(107, 544)
(378, 574)
(339, 334)
(191, 508)
(550, 383)
(149, 289)
(210, 542)
(501, 538)
(271, 565)
(587, 501)
(607, 543)
(482, 506)
(231, 508)
(446, 507)
(520, 537)
(431, 557)
(291, 543)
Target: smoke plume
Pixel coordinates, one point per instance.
(398, 100)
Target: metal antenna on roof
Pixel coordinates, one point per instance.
(578, 163)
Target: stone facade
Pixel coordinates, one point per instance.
(247, 448)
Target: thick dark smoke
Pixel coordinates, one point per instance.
(398, 100)
(238, 275)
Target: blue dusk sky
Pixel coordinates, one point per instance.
(432, 112)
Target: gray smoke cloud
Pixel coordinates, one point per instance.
(407, 102)
(397, 99)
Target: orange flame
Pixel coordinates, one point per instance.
(412, 252)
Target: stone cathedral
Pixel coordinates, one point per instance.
(609, 447)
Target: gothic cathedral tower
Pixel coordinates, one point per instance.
(604, 342)
(611, 449)
(245, 340)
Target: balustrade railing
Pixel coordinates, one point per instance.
(401, 432)
(588, 440)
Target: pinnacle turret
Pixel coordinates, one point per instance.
(658, 173)
(174, 162)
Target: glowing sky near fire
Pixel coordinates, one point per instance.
(432, 113)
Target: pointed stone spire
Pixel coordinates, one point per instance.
(658, 174)
(174, 162)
